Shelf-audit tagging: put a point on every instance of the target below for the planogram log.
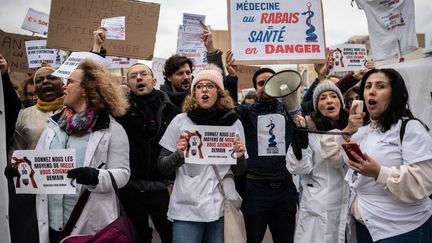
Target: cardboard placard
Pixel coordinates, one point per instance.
(44, 171)
(72, 24)
(268, 31)
(12, 47)
(245, 74)
(36, 21)
(210, 145)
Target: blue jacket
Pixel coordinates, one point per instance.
(263, 165)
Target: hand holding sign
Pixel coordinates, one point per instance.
(239, 148)
(207, 38)
(99, 36)
(182, 144)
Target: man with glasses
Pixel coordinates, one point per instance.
(146, 193)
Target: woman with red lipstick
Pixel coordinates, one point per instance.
(390, 187)
(196, 205)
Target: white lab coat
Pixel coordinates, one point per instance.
(323, 208)
(109, 146)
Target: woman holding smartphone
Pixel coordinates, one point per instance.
(318, 159)
(391, 185)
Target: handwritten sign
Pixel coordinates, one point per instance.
(272, 31)
(210, 145)
(72, 24)
(36, 21)
(12, 47)
(44, 171)
(120, 62)
(115, 28)
(72, 62)
(37, 53)
(158, 65)
(349, 57)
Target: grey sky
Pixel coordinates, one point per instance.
(341, 20)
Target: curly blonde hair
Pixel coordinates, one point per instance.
(100, 90)
(223, 102)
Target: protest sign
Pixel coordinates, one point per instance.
(72, 24)
(269, 31)
(245, 74)
(158, 65)
(189, 40)
(115, 27)
(210, 145)
(44, 171)
(120, 62)
(349, 57)
(37, 53)
(72, 62)
(36, 22)
(12, 47)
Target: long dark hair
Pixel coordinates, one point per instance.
(398, 107)
(323, 123)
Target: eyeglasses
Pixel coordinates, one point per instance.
(209, 86)
(135, 75)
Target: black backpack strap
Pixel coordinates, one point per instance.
(402, 129)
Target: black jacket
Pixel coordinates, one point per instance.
(144, 145)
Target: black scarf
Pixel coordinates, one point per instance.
(149, 105)
(213, 117)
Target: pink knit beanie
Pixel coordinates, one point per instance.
(211, 73)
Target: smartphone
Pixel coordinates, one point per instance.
(348, 147)
(359, 108)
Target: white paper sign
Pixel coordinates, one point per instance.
(189, 40)
(36, 21)
(44, 171)
(37, 53)
(271, 135)
(211, 145)
(120, 62)
(72, 62)
(158, 65)
(269, 31)
(349, 57)
(115, 28)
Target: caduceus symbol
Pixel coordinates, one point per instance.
(311, 36)
(271, 140)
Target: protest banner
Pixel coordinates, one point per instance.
(120, 62)
(12, 47)
(158, 65)
(36, 22)
(275, 31)
(210, 145)
(37, 53)
(44, 171)
(349, 57)
(189, 40)
(72, 62)
(72, 24)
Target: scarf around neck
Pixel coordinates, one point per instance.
(54, 105)
(213, 118)
(77, 123)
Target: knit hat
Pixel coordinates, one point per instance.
(326, 85)
(211, 73)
